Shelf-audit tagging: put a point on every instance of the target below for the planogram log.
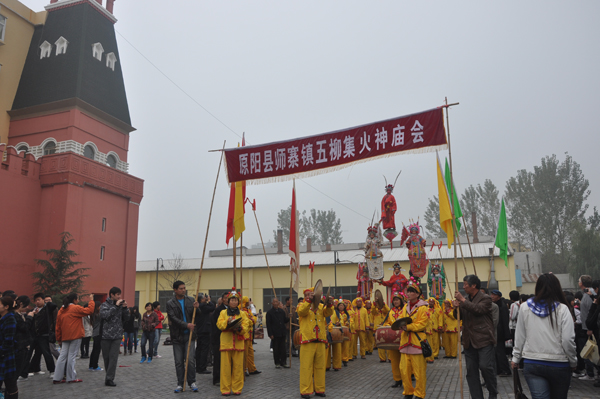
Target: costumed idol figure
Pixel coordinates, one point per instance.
(388, 211)
(397, 283)
(365, 285)
(416, 252)
(373, 242)
(436, 280)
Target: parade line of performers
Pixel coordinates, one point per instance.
(328, 338)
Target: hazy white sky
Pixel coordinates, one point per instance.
(526, 75)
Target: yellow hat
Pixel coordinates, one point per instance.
(311, 289)
(245, 300)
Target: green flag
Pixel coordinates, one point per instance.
(502, 235)
(451, 189)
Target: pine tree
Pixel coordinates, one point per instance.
(60, 275)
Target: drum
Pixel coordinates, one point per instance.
(347, 333)
(297, 339)
(386, 338)
(337, 335)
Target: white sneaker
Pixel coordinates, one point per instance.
(30, 375)
(157, 356)
(51, 375)
(22, 379)
(271, 349)
(40, 372)
(586, 378)
(194, 387)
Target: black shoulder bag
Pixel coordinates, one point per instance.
(425, 347)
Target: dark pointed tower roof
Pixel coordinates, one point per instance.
(76, 73)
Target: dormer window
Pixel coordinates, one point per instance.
(97, 51)
(111, 60)
(61, 45)
(46, 49)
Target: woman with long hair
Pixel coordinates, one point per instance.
(545, 340)
(8, 364)
(69, 332)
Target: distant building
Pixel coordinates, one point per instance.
(64, 139)
(335, 265)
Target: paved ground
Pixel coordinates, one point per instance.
(362, 378)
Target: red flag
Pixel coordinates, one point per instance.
(440, 246)
(294, 245)
(311, 266)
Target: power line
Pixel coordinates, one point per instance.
(223, 123)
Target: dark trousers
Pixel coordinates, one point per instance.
(484, 360)
(589, 366)
(11, 387)
(40, 346)
(21, 360)
(179, 355)
(202, 349)
(110, 353)
(216, 362)
(96, 349)
(502, 366)
(149, 337)
(85, 346)
(279, 351)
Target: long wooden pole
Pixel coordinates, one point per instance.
(460, 371)
(202, 265)
(234, 256)
(265, 252)
(241, 260)
(469, 241)
(440, 252)
(291, 306)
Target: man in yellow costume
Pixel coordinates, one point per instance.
(361, 322)
(450, 331)
(379, 312)
(314, 340)
(370, 330)
(338, 319)
(232, 346)
(433, 331)
(394, 354)
(250, 368)
(412, 360)
(346, 346)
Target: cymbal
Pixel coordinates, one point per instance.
(400, 323)
(318, 295)
(232, 325)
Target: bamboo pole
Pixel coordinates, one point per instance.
(234, 255)
(455, 254)
(264, 251)
(202, 266)
(241, 260)
(291, 306)
(449, 286)
(469, 241)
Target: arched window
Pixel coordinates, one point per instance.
(111, 161)
(88, 152)
(23, 148)
(50, 148)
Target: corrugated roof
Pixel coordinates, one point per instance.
(480, 250)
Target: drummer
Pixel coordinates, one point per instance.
(232, 346)
(394, 354)
(339, 319)
(314, 340)
(412, 360)
(361, 321)
(379, 312)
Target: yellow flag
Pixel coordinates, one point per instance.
(238, 215)
(445, 210)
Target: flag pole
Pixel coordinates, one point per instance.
(469, 241)
(460, 368)
(291, 306)
(264, 250)
(202, 263)
(234, 255)
(449, 285)
(241, 258)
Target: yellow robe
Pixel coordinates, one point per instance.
(394, 354)
(361, 321)
(313, 353)
(414, 363)
(232, 353)
(248, 347)
(450, 333)
(378, 318)
(338, 349)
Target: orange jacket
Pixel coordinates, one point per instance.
(69, 325)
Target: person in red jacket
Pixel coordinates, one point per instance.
(69, 332)
(161, 317)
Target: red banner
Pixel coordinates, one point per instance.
(312, 155)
